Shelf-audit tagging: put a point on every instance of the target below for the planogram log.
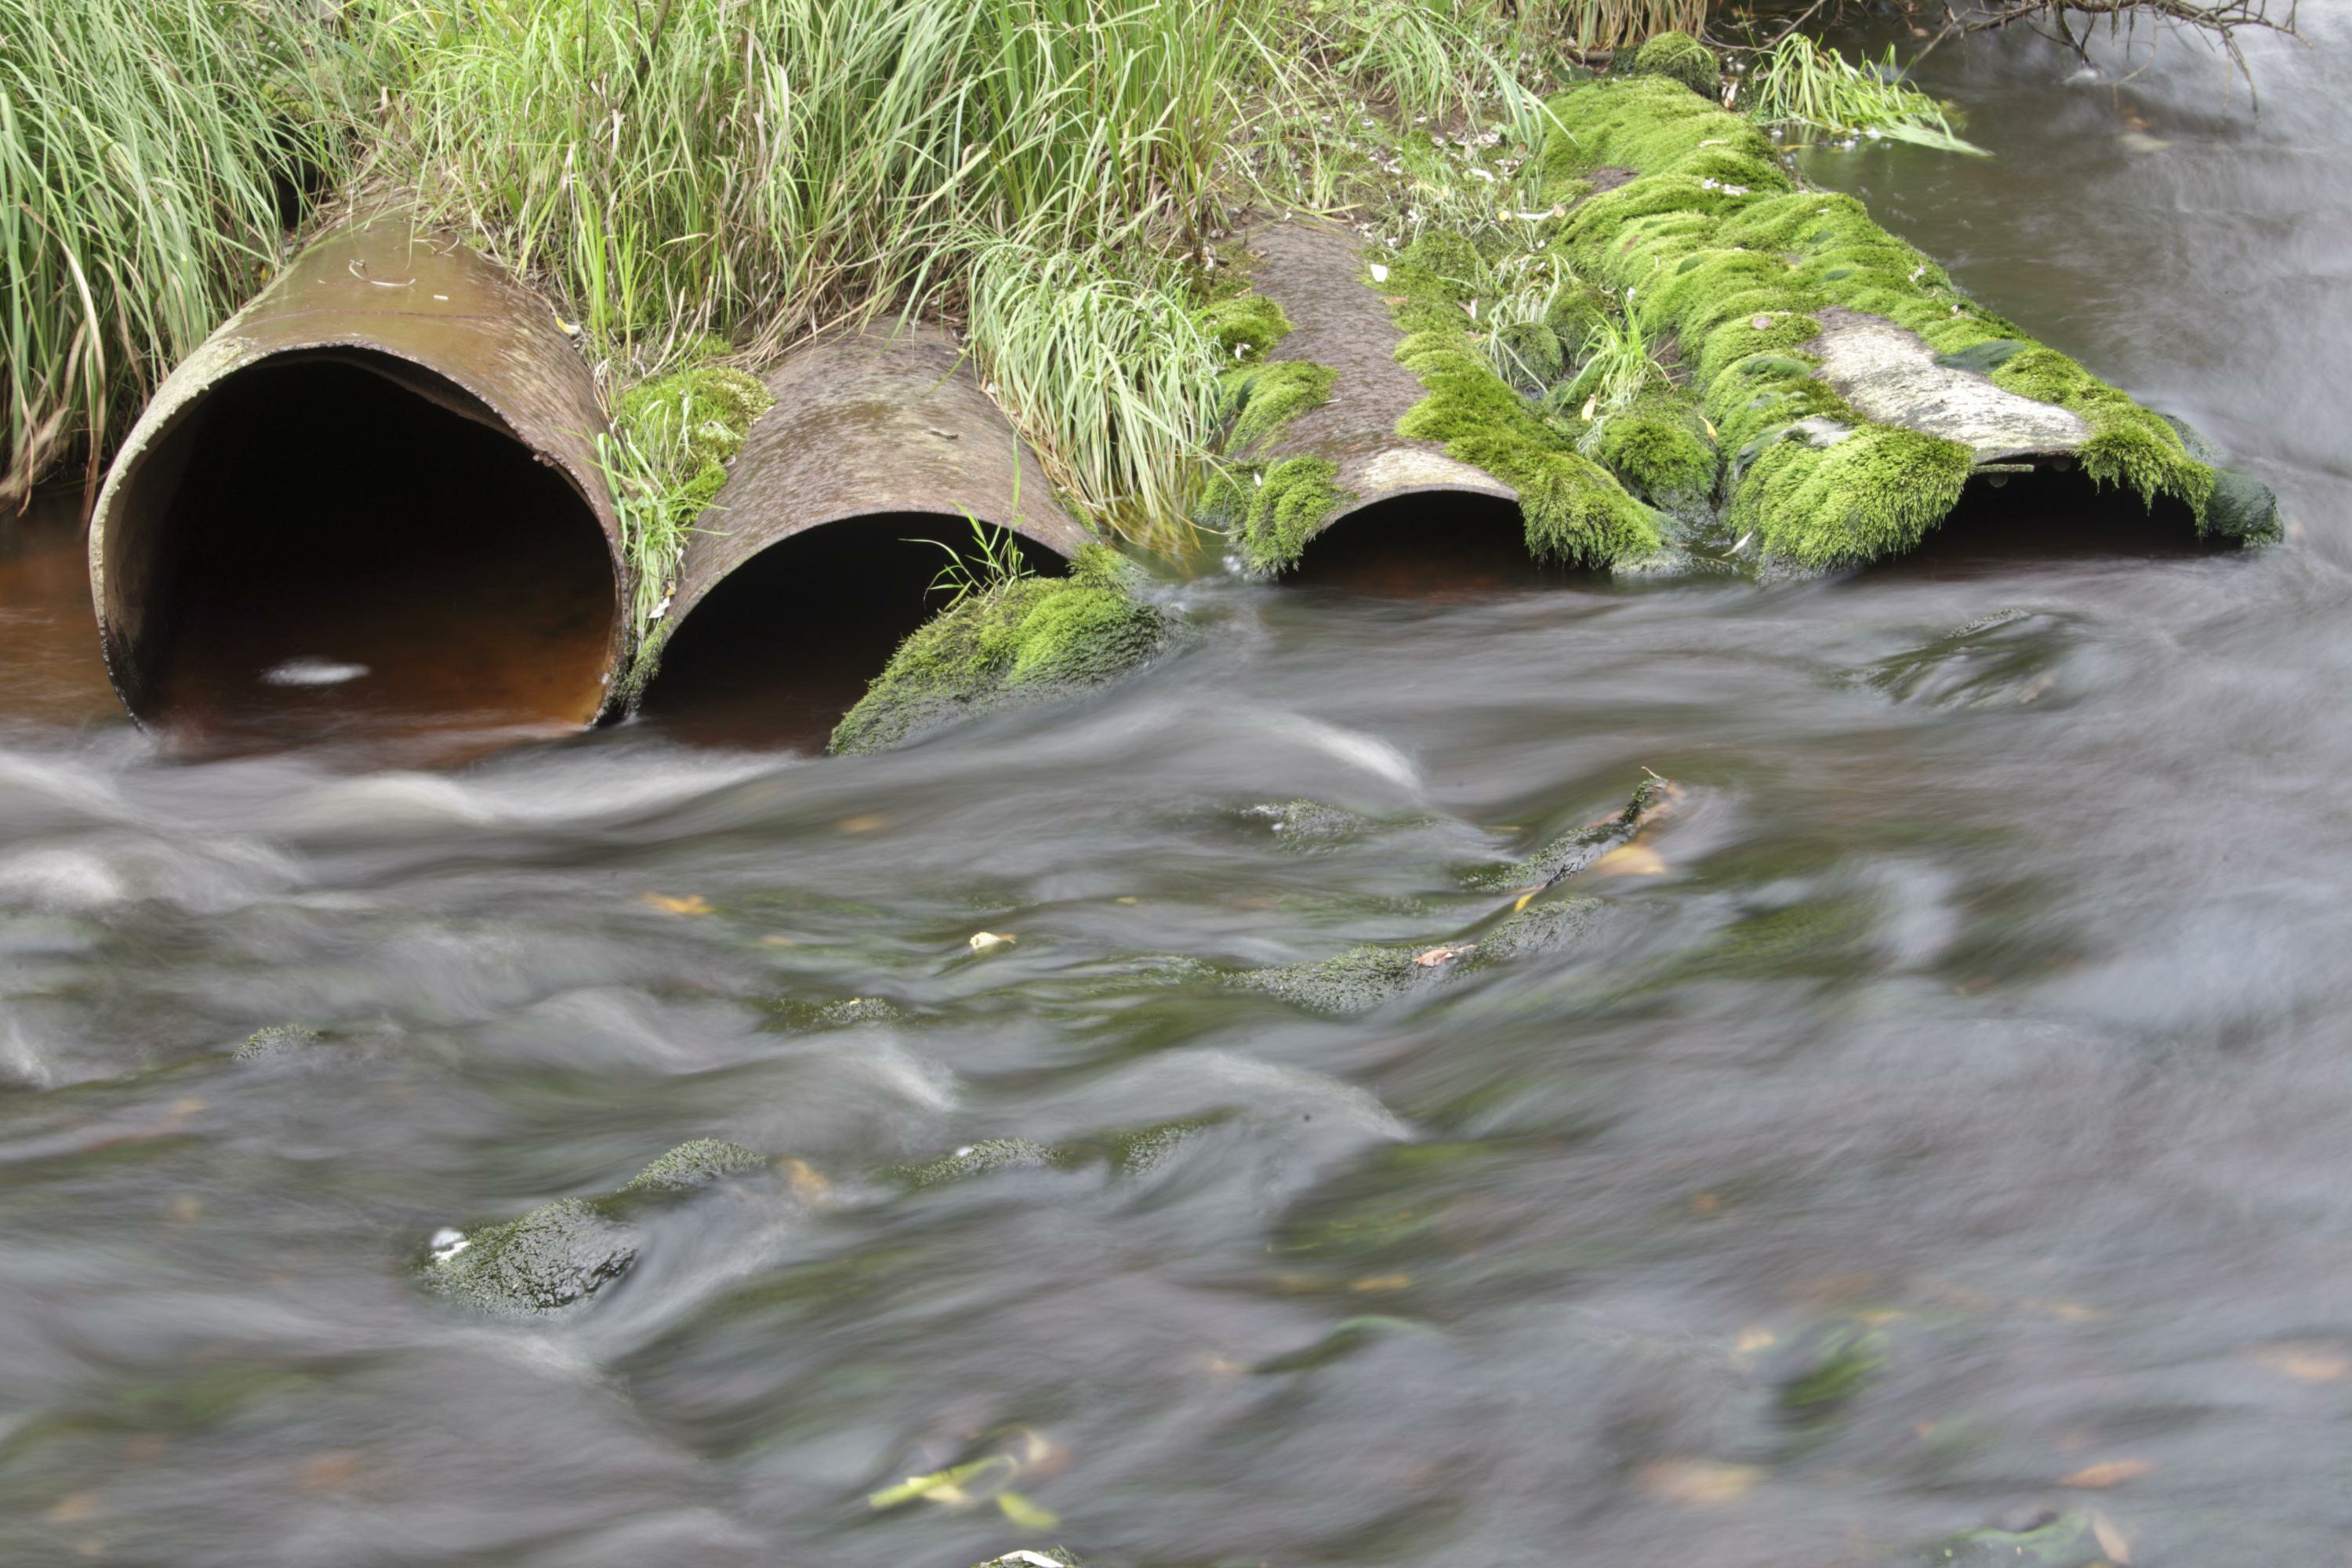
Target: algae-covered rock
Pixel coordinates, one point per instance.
(1125, 1151)
(1678, 57)
(988, 1155)
(562, 1253)
(1572, 852)
(1309, 823)
(695, 1163)
(1022, 640)
(1372, 975)
(2243, 507)
(276, 1040)
(2061, 1541)
(556, 1255)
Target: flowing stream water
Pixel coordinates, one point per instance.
(1939, 1119)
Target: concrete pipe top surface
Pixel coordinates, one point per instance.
(372, 498)
(1315, 271)
(818, 555)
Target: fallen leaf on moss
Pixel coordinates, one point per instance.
(1698, 1483)
(690, 904)
(1442, 955)
(2114, 1472)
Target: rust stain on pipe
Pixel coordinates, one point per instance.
(1315, 271)
(407, 384)
(882, 424)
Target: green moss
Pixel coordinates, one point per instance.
(1533, 353)
(1575, 513)
(690, 424)
(1244, 326)
(2243, 507)
(695, 1163)
(2129, 446)
(1874, 492)
(1678, 57)
(1125, 1151)
(1017, 640)
(1275, 512)
(1356, 981)
(1259, 400)
(1660, 452)
(1654, 125)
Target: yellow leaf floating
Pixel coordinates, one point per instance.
(1629, 860)
(981, 941)
(2114, 1472)
(869, 822)
(2112, 1539)
(2304, 1363)
(690, 904)
(1699, 1483)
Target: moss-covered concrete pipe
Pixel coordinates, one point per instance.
(1855, 392)
(818, 554)
(380, 476)
(1331, 451)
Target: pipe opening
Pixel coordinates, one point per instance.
(1425, 545)
(2052, 514)
(788, 642)
(338, 541)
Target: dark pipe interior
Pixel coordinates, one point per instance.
(778, 652)
(315, 508)
(2050, 514)
(1430, 545)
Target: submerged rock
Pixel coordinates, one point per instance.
(1370, 976)
(562, 1253)
(2061, 1541)
(1125, 1151)
(1018, 641)
(696, 1163)
(277, 1040)
(557, 1254)
(1572, 852)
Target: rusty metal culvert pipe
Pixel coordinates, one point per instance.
(1315, 271)
(818, 555)
(374, 492)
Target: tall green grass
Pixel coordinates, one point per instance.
(1800, 83)
(147, 152)
(766, 167)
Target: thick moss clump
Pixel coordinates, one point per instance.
(1244, 326)
(1017, 641)
(1714, 244)
(564, 1252)
(1872, 491)
(1658, 448)
(1259, 401)
(2129, 446)
(696, 1163)
(1678, 57)
(1575, 513)
(690, 425)
(1272, 512)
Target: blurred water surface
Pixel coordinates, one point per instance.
(1941, 1121)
